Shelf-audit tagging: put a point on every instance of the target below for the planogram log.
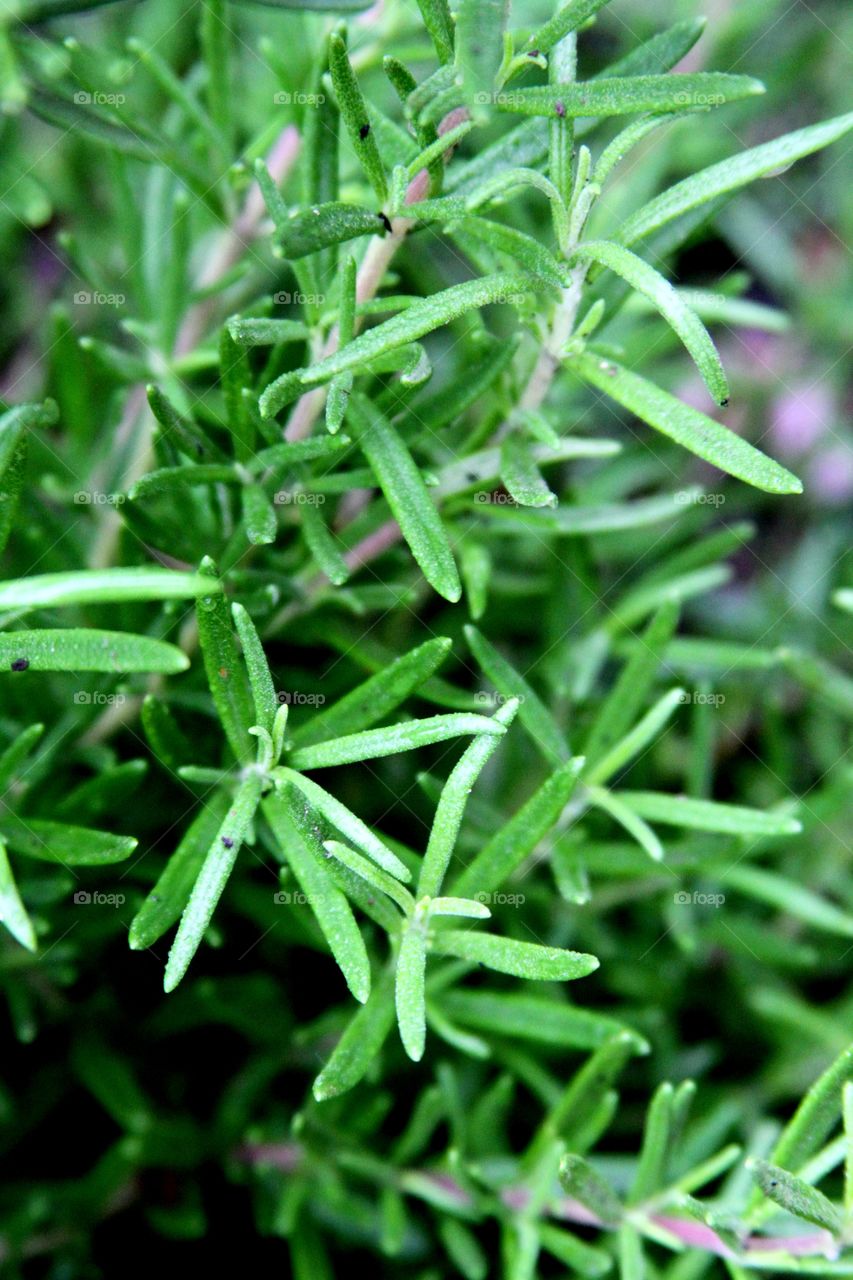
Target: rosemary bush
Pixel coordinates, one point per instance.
(413, 644)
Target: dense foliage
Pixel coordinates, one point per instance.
(425, 608)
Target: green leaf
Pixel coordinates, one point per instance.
(523, 250)
(327, 224)
(180, 431)
(439, 24)
(406, 494)
(374, 875)
(322, 545)
(410, 992)
(259, 516)
(475, 567)
(520, 836)
(640, 737)
(407, 736)
(262, 332)
(103, 586)
(421, 318)
(61, 842)
(355, 116)
(226, 674)
(573, 1253)
(847, 1114)
(464, 1249)
(627, 94)
(533, 713)
(708, 815)
(480, 28)
(686, 426)
(291, 819)
(208, 888)
(521, 476)
(17, 421)
(347, 823)
(795, 1196)
(360, 1043)
(737, 171)
(660, 52)
(652, 1164)
(90, 650)
(833, 686)
(623, 144)
(141, 142)
(522, 959)
(669, 303)
(613, 805)
(582, 1182)
(451, 805)
(281, 456)
(606, 517)
(816, 1115)
(622, 704)
(11, 486)
(586, 1092)
(172, 479)
(13, 913)
(168, 743)
(16, 753)
(164, 904)
(376, 697)
(260, 679)
(632, 1262)
(235, 375)
(790, 896)
(530, 1018)
(470, 908)
(568, 18)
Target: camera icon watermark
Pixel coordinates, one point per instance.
(92, 498)
(297, 698)
(83, 898)
(82, 698)
(501, 899)
(689, 497)
(497, 99)
(699, 99)
(296, 898)
(699, 698)
(284, 298)
(685, 899)
(495, 699)
(97, 99)
(494, 499)
(298, 498)
(285, 99)
(97, 298)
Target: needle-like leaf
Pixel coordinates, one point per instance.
(686, 426)
(407, 736)
(91, 650)
(668, 301)
(104, 586)
(212, 879)
(407, 496)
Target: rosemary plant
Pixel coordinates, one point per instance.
(412, 646)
